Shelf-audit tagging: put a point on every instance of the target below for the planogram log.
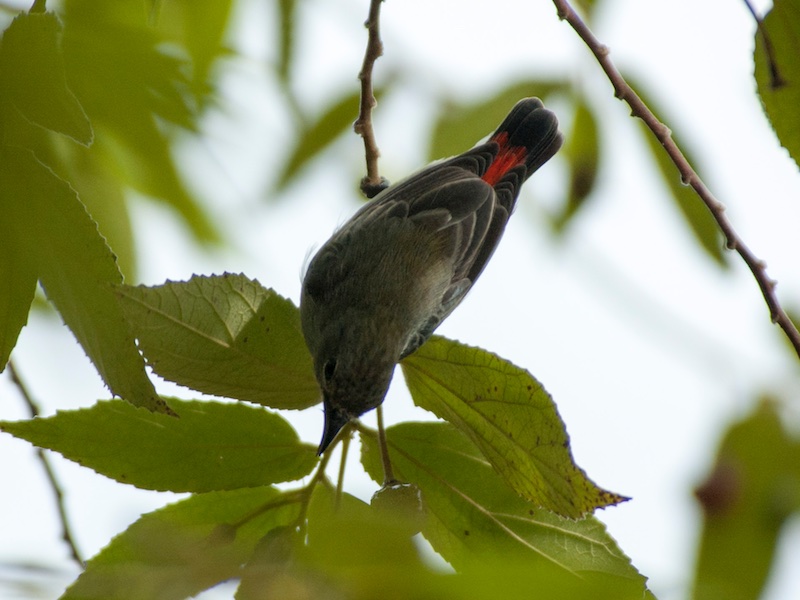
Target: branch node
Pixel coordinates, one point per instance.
(371, 189)
(363, 124)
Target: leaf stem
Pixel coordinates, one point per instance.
(639, 109)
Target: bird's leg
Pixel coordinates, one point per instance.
(388, 474)
(340, 480)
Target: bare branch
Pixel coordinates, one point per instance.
(624, 92)
(34, 411)
(373, 183)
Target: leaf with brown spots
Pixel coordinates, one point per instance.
(479, 525)
(510, 417)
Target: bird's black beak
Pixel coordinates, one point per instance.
(335, 419)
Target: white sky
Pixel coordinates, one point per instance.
(644, 388)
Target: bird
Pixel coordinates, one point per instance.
(387, 278)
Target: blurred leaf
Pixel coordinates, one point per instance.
(212, 446)
(461, 126)
(695, 213)
(751, 492)
(474, 519)
(778, 81)
(185, 548)
(17, 288)
(271, 574)
(286, 24)
(32, 76)
(49, 224)
(510, 417)
(582, 152)
(224, 335)
(586, 7)
(132, 90)
(319, 135)
(199, 27)
(104, 199)
(371, 540)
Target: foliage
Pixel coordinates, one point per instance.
(94, 101)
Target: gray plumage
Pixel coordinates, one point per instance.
(380, 286)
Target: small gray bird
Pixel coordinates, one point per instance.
(388, 277)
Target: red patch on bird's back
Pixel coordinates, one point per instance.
(507, 158)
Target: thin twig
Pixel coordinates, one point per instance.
(775, 80)
(372, 183)
(34, 411)
(624, 92)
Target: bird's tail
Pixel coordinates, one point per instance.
(528, 136)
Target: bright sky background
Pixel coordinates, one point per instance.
(647, 349)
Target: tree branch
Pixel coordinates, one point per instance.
(34, 411)
(624, 92)
(373, 183)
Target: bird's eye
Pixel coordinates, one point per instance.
(328, 369)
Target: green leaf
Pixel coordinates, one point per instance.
(76, 268)
(461, 126)
(17, 288)
(33, 80)
(582, 152)
(319, 135)
(371, 540)
(777, 73)
(224, 335)
(748, 497)
(185, 548)
(474, 520)
(510, 417)
(211, 446)
(199, 27)
(695, 213)
(136, 92)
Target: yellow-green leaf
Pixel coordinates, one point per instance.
(474, 520)
(510, 417)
